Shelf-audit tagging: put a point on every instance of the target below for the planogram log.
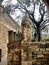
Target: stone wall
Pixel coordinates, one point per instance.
(34, 53)
(3, 43)
(3, 37)
(6, 24)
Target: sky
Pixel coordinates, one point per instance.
(18, 15)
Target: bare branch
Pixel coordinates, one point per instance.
(33, 19)
(43, 23)
(34, 28)
(44, 27)
(23, 7)
(42, 12)
(21, 10)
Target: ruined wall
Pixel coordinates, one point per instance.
(35, 53)
(6, 24)
(3, 43)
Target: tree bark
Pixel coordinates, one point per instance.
(39, 34)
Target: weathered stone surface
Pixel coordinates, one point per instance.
(36, 55)
(6, 24)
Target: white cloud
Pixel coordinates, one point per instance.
(14, 2)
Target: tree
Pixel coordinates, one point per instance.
(37, 13)
(41, 23)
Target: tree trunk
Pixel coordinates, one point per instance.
(38, 34)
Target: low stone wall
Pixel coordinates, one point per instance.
(34, 53)
(30, 53)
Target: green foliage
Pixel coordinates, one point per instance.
(45, 38)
